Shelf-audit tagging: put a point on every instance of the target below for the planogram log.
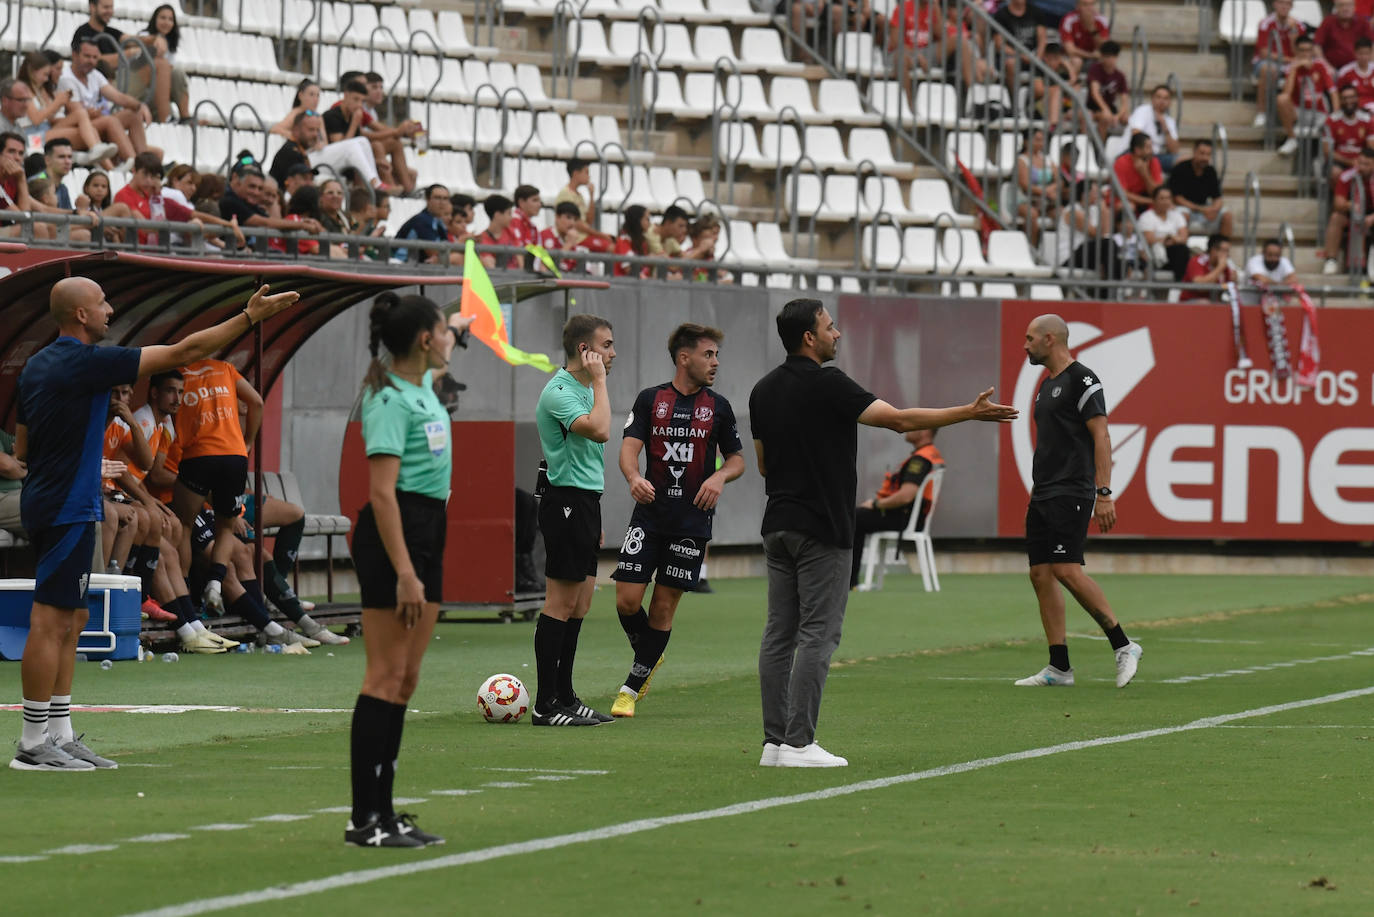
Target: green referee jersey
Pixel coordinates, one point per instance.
(408, 421)
(574, 461)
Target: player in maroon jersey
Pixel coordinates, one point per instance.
(683, 423)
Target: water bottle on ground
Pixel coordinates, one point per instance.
(170, 657)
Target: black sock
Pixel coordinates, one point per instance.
(368, 745)
(288, 544)
(647, 653)
(181, 607)
(1117, 636)
(254, 588)
(146, 570)
(566, 657)
(634, 625)
(1059, 656)
(387, 777)
(281, 593)
(548, 641)
(250, 611)
(218, 572)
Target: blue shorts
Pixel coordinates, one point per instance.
(64, 555)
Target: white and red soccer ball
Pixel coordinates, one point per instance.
(503, 699)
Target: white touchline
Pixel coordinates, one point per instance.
(364, 876)
(1266, 667)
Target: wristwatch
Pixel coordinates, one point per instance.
(1104, 491)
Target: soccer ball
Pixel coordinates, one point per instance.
(503, 699)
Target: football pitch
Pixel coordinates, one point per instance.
(1233, 776)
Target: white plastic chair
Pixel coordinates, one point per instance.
(839, 100)
(1238, 21)
(761, 49)
(1010, 252)
(930, 197)
(917, 532)
(796, 92)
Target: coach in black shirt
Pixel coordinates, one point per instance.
(804, 417)
(1072, 475)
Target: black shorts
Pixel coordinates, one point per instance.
(570, 521)
(220, 477)
(672, 560)
(63, 571)
(1057, 529)
(424, 525)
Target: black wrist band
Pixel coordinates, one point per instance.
(251, 323)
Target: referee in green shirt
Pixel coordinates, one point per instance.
(574, 421)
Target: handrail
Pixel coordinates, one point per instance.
(1111, 15)
(801, 152)
(607, 165)
(1221, 145)
(1250, 215)
(721, 91)
(372, 50)
(1355, 245)
(1239, 72)
(1324, 186)
(498, 153)
(316, 15)
(262, 127)
(339, 45)
(410, 73)
(598, 156)
(1142, 41)
(865, 167)
(1303, 161)
(1176, 89)
(642, 117)
(195, 132)
(52, 30)
(940, 241)
(476, 114)
(1288, 240)
(564, 63)
(1271, 94)
(494, 14)
(794, 219)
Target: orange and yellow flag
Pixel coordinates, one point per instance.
(489, 327)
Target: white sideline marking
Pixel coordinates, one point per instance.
(505, 784)
(156, 838)
(219, 826)
(78, 849)
(336, 810)
(21, 859)
(550, 777)
(453, 793)
(1265, 667)
(540, 770)
(281, 818)
(364, 876)
(408, 800)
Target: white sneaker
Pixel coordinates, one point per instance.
(203, 643)
(214, 597)
(808, 756)
(1260, 119)
(770, 755)
(1331, 266)
(1048, 677)
(1127, 660)
(1290, 146)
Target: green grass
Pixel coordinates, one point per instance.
(1239, 819)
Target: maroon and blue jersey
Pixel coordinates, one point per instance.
(681, 434)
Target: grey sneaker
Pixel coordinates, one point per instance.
(47, 757)
(317, 631)
(78, 750)
(291, 643)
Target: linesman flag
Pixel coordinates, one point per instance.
(489, 325)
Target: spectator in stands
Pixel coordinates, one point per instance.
(143, 196)
(1027, 27)
(464, 209)
(665, 239)
(1308, 93)
(1347, 131)
(914, 39)
(297, 177)
(705, 233)
(209, 189)
(163, 36)
(1068, 173)
(346, 145)
(1082, 32)
(306, 100)
(1139, 172)
(294, 153)
(1360, 73)
(563, 235)
(42, 191)
(1035, 180)
(270, 197)
(1355, 187)
(527, 207)
(332, 215)
(498, 232)
(1273, 53)
(1108, 94)
(54, 113)
(818, 21)
(304, 205)
(889, 509)
(1048, 95)
(12, 474)
(1268, 266)
(1164, 228)
(387, 141)
(632, 241)
(1196, 188)
(579, 177)
(1214, 267)
(108, 40)
(14, 188)
(1152, 119)
(1082, 234)
(180, 186)
(1338, 33)
(89, 87)
(429, 225)
(57, 165)
(246, 199)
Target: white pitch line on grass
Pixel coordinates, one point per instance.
(1266, 667)
(365, 876)
(543, 770)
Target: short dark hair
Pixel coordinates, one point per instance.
(1053, 47)
(1138, 141)
(1363, 43)
(157, 380)
(1109, 49)
(525, 192)
(148, 162)
(78, 43)
(1165, 87)
(429, 192)
(1215, 240)
(689, 334)
(1304, 39)
(1269, 242)
(1201, 142)
(568, 209)
(372, 76)
(577, 165)
(796, 318)
(497, 203)
(349, 76)
(674, 212)
(1367, 151)
(357, 86)
(55, 142)
(463, 202)
(7, 136)
(1350, 86)
(579, 329)
(359, 199)
(1158, 188)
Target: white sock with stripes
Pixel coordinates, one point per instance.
(35, 723)
(60, 719)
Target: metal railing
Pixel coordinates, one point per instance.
(1140, 45)
(565, 58)
(726, 112)
(643, 114)
(1250, 215)
(490, 14)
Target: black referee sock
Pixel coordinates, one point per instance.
(634, 625)
(254, 589)
(181, 607)
(218, 572)
(387, 775)
(281, 593)
(250, 611)
(647, 653)
(1059, 656)
(548, 643)
(288, 544)
(368, 744)
(1116, 636)
(566, 656)
(149, 558)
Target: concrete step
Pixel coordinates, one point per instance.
(1187, 66)
(1200, 113)
(1178, 22)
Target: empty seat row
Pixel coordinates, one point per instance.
(673, 46)
(471, 80)
(359, 25)
(739, 12)
(697, 95)
(545, 133)
(823, 146)
(839, 198)
(927, 250)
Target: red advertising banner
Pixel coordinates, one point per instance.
(1202, 449)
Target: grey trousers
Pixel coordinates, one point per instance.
(808, 586)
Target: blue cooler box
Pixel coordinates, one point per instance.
(115, 603)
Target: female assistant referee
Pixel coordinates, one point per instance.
(398, 548)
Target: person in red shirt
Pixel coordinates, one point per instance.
(1082, 33)
(1308, 93)
(563, 235)
(1108, 93)
(1360, 73)
(1348, 130)
(633, 241)
(1273, 53)
(527, 207)
(143, 196)
(1211, 268)
(1338, 33)
(498, 231)
(1345, 195)
(1139, 172)
(923, 43)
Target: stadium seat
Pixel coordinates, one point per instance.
(1238, 21)
(880, 247)
(711, 43)
(687, 11)
(677, 49)
(930, 198)
(663, 186)
(966, 289)
(743, 247)
(626, 39)
(825, 148)
(856, 53)
(738, 142)
(669, 98)
(962, 253)
(920, 250)
(872, 143)
(917, 534)
(999, 290)
(453, 37)
(774, 251)
(778, 144)
(839, 100)
(843, 201)
(1308, 11)
(805, 200)
(937, 104)
(971, 149)
(552, 137)
(885, 196)
(1010, 251)
(891, 102)
(738, 12)
(761, 49)
(795, 92)
(1048, 292)
(587, 39)
(1087, 156)
(638, 190)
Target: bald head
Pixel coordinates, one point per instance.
(78, 306)
(1052, 325)
(1047, 342)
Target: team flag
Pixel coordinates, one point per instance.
(489, 327)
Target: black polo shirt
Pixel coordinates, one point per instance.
(289, 155)
(1187, 184)
(85, 31)
(231, 205)
(335, 122)
(1063, 464)
(806, 416)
